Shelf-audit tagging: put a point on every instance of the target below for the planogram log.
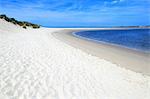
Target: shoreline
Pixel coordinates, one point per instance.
(35, 64)
(130, 59)
(111, 44)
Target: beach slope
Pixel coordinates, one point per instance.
(36, 65)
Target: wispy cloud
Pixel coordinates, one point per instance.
(78, 12)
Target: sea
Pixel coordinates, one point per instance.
(136, 39)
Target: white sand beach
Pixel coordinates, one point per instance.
(36, 65)
(122, 56)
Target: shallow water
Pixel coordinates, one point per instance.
(138, 39)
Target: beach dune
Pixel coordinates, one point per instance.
(34, 64)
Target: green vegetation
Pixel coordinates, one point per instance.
(23, 24)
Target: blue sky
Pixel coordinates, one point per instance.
(79, 12)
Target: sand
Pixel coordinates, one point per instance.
(36, 65)
(130, 59)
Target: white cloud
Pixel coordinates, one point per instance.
(116, 1)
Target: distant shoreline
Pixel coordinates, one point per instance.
(129, 27)
(127, 58)
(132, 27)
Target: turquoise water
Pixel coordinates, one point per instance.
(138, 39)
